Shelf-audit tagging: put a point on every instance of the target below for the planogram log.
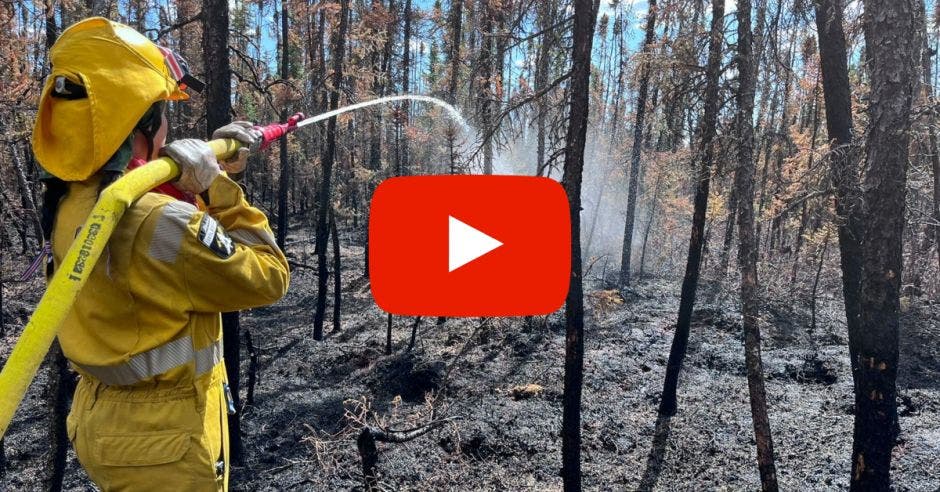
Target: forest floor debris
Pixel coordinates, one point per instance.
(501, 382)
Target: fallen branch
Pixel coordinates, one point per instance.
(414, 333)
(369, 452)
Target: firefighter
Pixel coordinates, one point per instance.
(149, 410)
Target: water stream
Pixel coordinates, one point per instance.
(451, 111)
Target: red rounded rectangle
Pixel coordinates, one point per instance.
(461, 246)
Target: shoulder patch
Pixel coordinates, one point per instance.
(212, 236)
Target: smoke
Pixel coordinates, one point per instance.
(603, 195)
(660, 221)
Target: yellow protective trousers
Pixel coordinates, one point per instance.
(140, 439)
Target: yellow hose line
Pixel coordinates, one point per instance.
(76, 267)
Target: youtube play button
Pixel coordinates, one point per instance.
(465, 244)
(469, 246)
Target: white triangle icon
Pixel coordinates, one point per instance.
(465, 244)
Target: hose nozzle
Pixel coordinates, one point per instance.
(274, 132)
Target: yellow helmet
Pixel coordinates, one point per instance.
(105, 77)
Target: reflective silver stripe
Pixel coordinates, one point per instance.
(168, 233)
(253, 237)
(157, 361)
(208, 357)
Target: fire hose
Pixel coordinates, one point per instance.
(67, 282)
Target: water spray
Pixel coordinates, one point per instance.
(452, 111)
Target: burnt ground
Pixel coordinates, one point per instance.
(501, 380)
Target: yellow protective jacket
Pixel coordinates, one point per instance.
(145, 334)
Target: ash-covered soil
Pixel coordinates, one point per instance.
(500, 383)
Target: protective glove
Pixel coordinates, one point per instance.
(250, 137)
(235, 165)
(243, 131)
(197, 163)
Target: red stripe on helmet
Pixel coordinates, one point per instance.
(172, 64)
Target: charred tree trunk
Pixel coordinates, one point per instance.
(545, 17)
(798, 244)
(487, 91)
(747, 248)
(587, 250)
(329, 155)
(680, 341)
(815, 294)
(844, 169)
(649, 223)
(388, 335)
(414, 333)
(639, 126)
(378, 87)
(456, 27)
(729, 231)
(284, 181)
(892, 57)
(405, 119)
(585, 14)
(231, 328)
(252, 368)
(215, 40)
(59, 388)
(52, 28)
(337, 275)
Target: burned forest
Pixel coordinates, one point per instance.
(731, 208)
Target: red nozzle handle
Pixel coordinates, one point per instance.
(273, 132)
